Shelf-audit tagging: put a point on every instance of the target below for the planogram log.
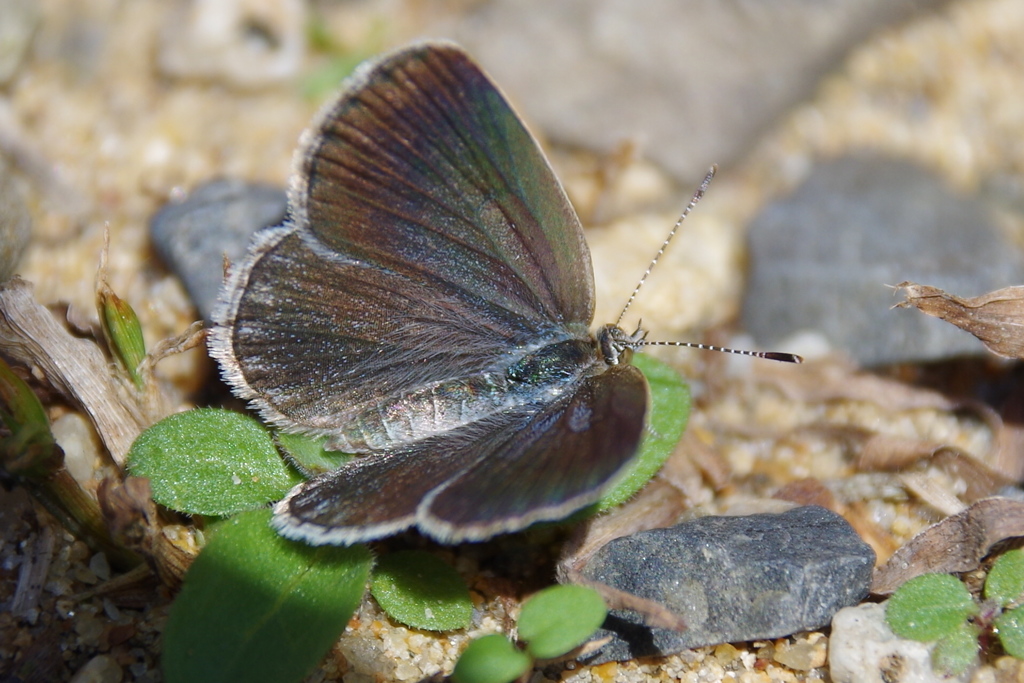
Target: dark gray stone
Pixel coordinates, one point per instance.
(218, 219)
(695, 82)
(733, 579)
(821, 260)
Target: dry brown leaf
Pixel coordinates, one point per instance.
(884, 452)
(835, 381)
(35, 564)
(996, 318)
(30, 334)
(831, 379)
(889, 452)
(937, 494)
(1009, 460)
(862, 518)
(695, 465)
(132, 517)
(809, 491)
(956, 544)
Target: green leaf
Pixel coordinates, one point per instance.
(929, 607)
(308, 454)
(559, 619)
(420, 590)
(123, 331)
(1010, 628)
(955, 653)
(491, 659)
(30, 449)
(259, 608)
(670, 410)
(210, 462)
(1005, 582)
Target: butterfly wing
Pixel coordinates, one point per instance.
(428, 238)
(556, 464)
(520, 467)
(379, 494)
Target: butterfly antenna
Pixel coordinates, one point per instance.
(638, 340)
(767, 355)
(697, 196)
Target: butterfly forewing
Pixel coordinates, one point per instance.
(424, 169)
(426, 225)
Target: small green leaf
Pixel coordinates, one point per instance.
(491, 659)
(1005, 582)
(259, 608)
(955, 653)
(560, 618)
(929, 607)
(308, 454)
(1010, 627)
(420, 590)
(210, 462)
(670, 410)
(29, 450)
(123, 331)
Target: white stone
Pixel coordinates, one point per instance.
(862, 649)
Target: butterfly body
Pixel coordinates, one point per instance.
(534, 378)
(427, 305)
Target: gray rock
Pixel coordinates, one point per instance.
(733, 579)
(694, 81)
(862, 649)
(821, 260)
(218, 219)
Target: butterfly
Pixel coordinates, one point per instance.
(427, 306)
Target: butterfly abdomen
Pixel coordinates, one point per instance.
(537, 376)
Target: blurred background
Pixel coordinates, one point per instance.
(110, 110)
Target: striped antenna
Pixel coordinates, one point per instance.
(697, 196)
(767, 355)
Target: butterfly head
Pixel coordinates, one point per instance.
(617, 345)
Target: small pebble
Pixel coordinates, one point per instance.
(216, 220)
(733, 579)
(99, 669)
(862, 649)
(77, 438)
(99, 566)
(89, 629)
(804, 654)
